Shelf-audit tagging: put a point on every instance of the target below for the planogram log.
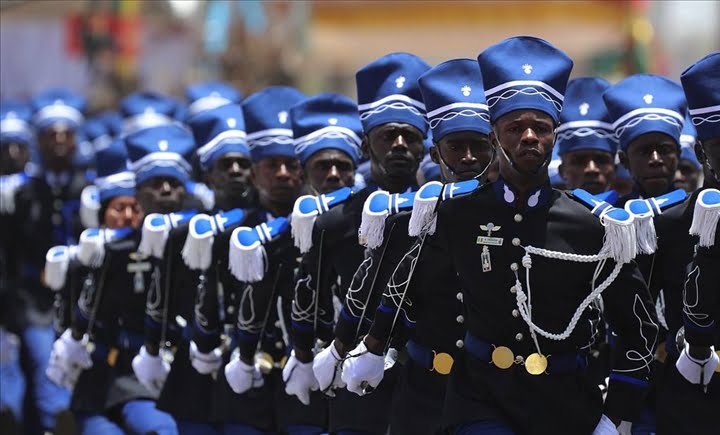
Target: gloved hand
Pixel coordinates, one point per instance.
(151, 371)
(605, 427)
(327, 367)
(362, 368)
(697, 371)
(205, 363)
(241, 376)
(299, 379)
(69, 357)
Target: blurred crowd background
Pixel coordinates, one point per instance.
(109, 48)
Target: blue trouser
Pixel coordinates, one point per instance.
(192, 428)
(646, 425)
(12, 381)
(484, 428)
(91, 424)
(142, 417)
(48, 398)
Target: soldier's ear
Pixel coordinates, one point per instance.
(434, 154)
(624, 159)
(492, 138)
(561, 170)
(364, 147)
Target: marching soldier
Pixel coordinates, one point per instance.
(514, 235)
(458, 117)
(392, 116)
(688, 392)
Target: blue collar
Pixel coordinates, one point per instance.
(506, 194)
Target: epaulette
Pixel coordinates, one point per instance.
(378, 206)
(57, 261)
(643, 212)
(247, 254)
(197, 251)
(307, 208)
(706, 216)
(611, 196)
(91, 248)
(619, 242)
(9, 185)
(156, 228)
(90, 206)
(423, 217)
(203, 193)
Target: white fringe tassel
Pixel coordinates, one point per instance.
(247, 263)
(152, 241)
(423, 218)
(89, 207)
(197, 251)
(301, 227)
(705, 219)
(91, 249)
(646, 237)
(620, 240)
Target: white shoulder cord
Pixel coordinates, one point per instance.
(524, 302)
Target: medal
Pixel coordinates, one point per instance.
(485, 259)
(486, 241)
(138, 267)
(442, 363)
(503, 357)
(536, 364)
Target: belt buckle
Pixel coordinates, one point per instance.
(503, 357)
(442, 362)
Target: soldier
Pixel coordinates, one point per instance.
(585, 137)
(224, 159)
(16, 137)
(45, 214)
(392, 116)
(242, 396)
(688, 392)
(458, 117)
(512, 374)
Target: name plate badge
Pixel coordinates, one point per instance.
(490, 241)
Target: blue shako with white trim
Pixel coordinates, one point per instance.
(387, 91)
(645, 103)
(702, 90)
(585, 122)
(217, 132)
(114, 177)
(210, 95)
(454, 98)
(142, 110)
(524, 72)
(326, 121)
(267, 121)
(58, 107)
(163, 151)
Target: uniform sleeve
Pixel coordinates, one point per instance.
(701, 297)
(209, 300)
(631, 315)
(312, 310)
(155, 315)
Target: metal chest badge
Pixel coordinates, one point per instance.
(488, 241)
(138, 267)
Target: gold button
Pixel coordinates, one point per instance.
(503, 357)
(442, 363)
(536, 364)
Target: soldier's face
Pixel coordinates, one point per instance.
(123, 212)
(13, 157)
(230, 174)
(591, 170)
(277, 179)
(57, 146)
(161, 195)
(395, 151)
(328, 170)
(652, 159)
(462, 155)
(687, 176)
(527, 137)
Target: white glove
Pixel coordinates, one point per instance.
(605, 427)
(241, 377)
(697, 371)
(205, 363)
(327, 368)
(150, 370)
(362, 368)
(299, 379)
(69, 357)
